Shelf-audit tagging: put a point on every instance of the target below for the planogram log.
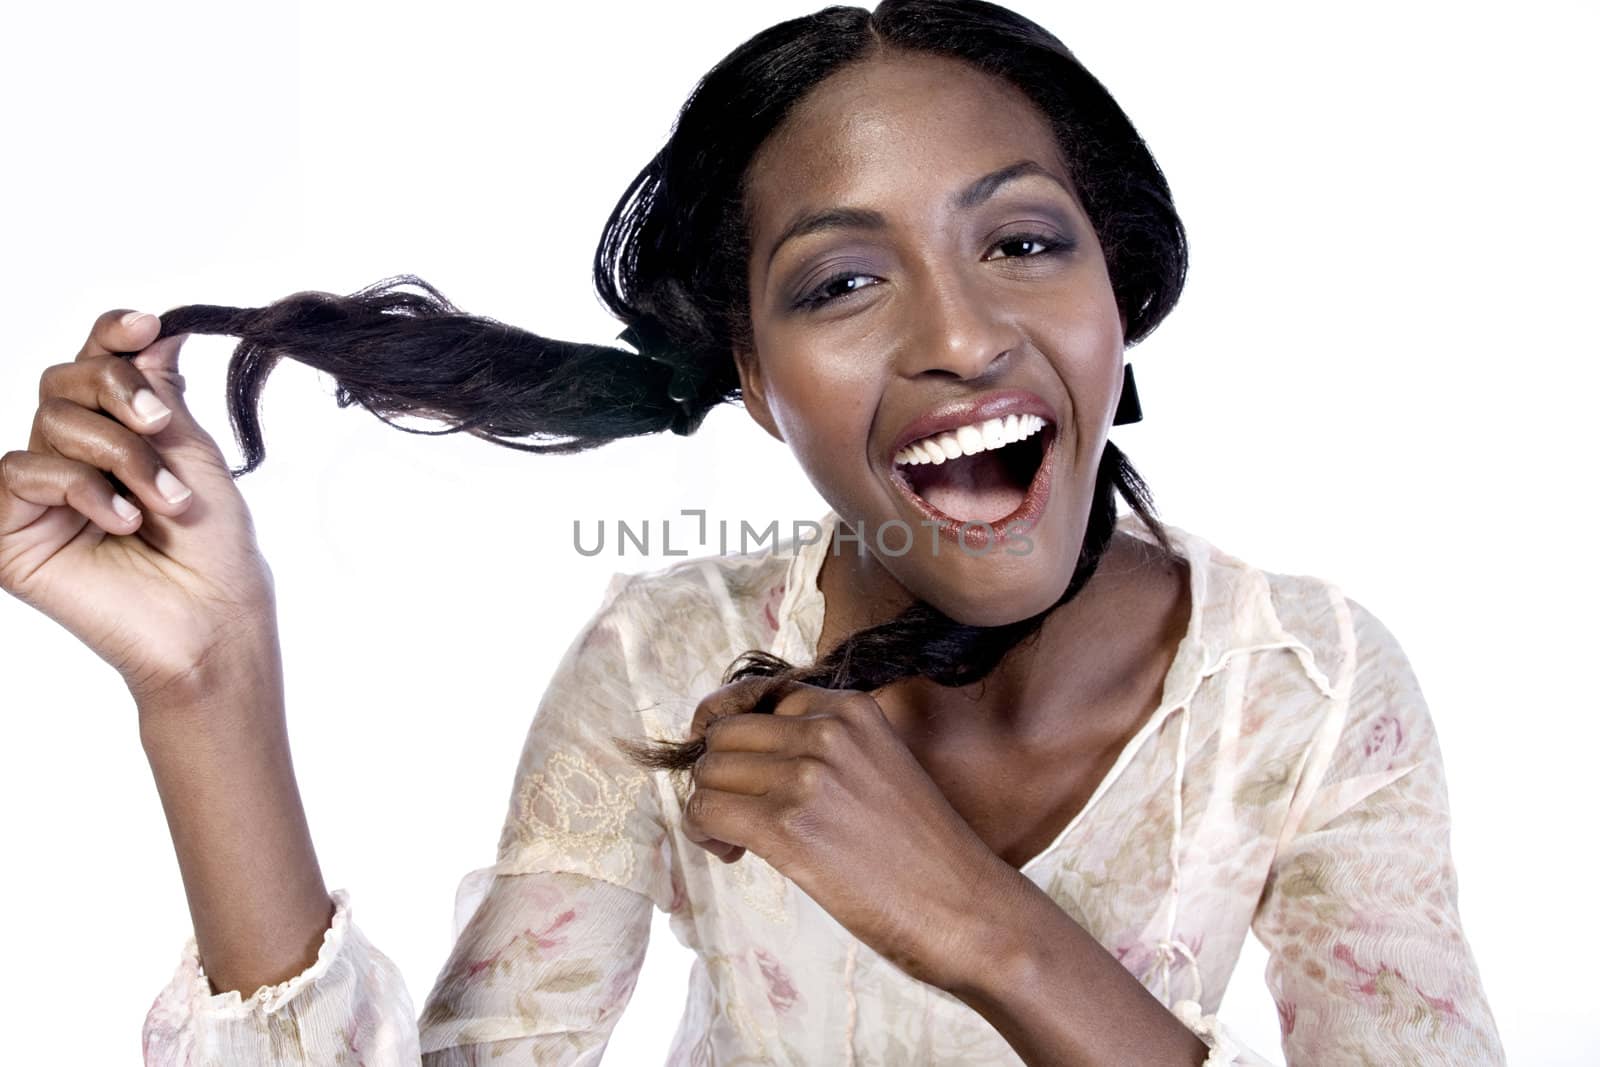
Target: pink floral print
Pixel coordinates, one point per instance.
(1290, 784)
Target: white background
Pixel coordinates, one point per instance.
(1379, 373)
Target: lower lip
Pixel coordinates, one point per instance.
(976, 536)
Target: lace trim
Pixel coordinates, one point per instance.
(574, 810)
(1224, 1050)
(268, 998)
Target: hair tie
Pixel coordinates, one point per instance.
(652, 343)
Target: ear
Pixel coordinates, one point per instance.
(752, 388)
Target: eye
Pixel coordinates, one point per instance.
(820, 295)
(1044, 245)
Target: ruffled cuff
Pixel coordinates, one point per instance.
(1225, 1051)
(350, 1005)
(209, 1004)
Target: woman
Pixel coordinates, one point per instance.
(990, 775)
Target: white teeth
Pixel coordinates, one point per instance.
(969, 439)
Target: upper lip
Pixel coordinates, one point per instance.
(949, 415)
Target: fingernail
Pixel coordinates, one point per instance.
(131, 319)
(122, 506)
(169, 486)
(148, 406)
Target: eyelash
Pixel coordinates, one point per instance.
(1051, 246)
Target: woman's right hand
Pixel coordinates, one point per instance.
(164, 592)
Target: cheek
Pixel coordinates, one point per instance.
(825, 410)
(1090, 344)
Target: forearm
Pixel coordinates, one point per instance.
(1058, 998)
(220, 756)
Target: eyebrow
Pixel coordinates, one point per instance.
(866, 219)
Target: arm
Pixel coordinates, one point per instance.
(1369, 962)
(549, 940)
(1058, 997)
(219, 751)
(285, 972)
(540, 974)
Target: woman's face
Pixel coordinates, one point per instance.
(926, 295)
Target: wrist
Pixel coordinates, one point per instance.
(236, 687)
(1001, 953)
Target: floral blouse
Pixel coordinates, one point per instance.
(1290, 783)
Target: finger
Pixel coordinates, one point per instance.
(719, 821)
(160, 359)
(159, 365)
(721, 849)
(798, 698)
(755, 732)
(74, 432)
(108, 384)
(753, 694)
(32, 483)
(732, 699)
(751, 773)
(119, 330)
(801, 699)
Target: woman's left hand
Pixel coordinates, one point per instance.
(825, 791)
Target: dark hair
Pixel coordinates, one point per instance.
(672, 264)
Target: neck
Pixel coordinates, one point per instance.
(1086, 652)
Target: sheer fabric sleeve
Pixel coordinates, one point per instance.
(553, 935)
(1368, 961)
(349, 1006)
(548, 940)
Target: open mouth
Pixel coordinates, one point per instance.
(993, 478)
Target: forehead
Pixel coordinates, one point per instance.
(895, 128)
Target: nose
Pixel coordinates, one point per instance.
(959, 329)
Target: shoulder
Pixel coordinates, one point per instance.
(1354, 646)
(679, 625)
(727, 590)
(1377, 722)
(1239, 606)
(1343, 694)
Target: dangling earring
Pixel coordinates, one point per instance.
(1128, 409)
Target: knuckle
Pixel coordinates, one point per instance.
(709, 763)
(697, 805)
(810, 777)
(797, 822)
(85, 483)
(53, 412)
(857, 703)
(118, 379)
(51, 379)
(711, 728)
(829, 736)
(697, 724)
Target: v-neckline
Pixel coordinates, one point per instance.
(803, 608)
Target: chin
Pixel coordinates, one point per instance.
(998, 588)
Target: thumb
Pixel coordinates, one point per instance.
(158, 362)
